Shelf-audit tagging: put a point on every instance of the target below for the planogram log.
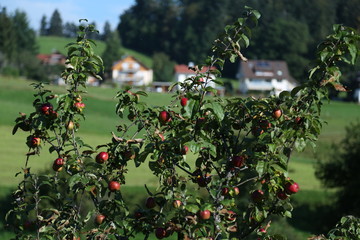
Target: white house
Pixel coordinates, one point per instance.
(130, 71)
(265, 75)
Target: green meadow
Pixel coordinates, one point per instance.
(16, 95)
(47, 44)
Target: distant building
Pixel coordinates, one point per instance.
(183, 72)
(130, 71)
(265, 75)
(55, 58)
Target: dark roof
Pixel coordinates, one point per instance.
(265, 69)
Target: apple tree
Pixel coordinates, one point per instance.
(242, 148)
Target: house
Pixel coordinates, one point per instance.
(183, 72)
(130, 71)
(55, 58)
(265, 76)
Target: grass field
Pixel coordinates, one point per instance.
(16, 96)
(47, 44)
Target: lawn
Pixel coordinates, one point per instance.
(16, 96)
(47, 44)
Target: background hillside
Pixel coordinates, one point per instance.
(47, 44)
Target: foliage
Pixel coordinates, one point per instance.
(18, 46)
(112, 52)
(55, 24)
(348, 228)
(339, 170)
(184, 29)
(242, 147)
(163, 67)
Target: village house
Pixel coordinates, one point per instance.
(57, 58)
(130, 71)
(265, 76)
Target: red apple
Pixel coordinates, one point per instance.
(298, 120)
(257, 196)
(291, 188)
(59, 162)
(160, 233)
(114, 186)
(164, 117)
(79, 106)
(277, 113)
(46, 108)
(282, 195)
(238, 161)
(99, 219)
(102, 157)
(150, 202)
(236, 191)
(53, 114)
(34, 142)
(225, 191)
(185, 149)
(262, 230)
(177, 203)
(183, 101)
(205, 214)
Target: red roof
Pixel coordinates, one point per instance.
(182, 68)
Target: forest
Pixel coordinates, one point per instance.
(183, 30)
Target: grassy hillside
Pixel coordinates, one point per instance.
(47, 44)
(16, 96)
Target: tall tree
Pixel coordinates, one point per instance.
(43, 26)
(55, 26)
(106, 32)
(7, 38)
(348, 13)
(111, 53)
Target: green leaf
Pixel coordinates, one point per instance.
(217, 110)
(300, 144)
(193, 208)
(353, 52)
(260, 167)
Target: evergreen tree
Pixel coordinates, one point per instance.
(106, 32)
(111, 53)
(43, 26)
(7, 38)
(56, 27)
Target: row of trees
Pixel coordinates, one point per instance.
(55, 27)
(18, 46)
(174, 27)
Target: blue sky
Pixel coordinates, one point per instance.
(97, 11)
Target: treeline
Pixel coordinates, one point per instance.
(18, 46)
(55, 27)
(184, 29)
